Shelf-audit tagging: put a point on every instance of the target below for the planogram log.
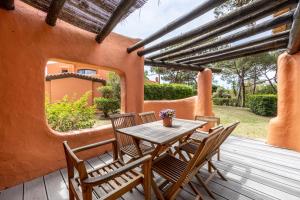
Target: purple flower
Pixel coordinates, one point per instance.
(167, 113)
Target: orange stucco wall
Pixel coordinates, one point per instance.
(28, 147)
(284, 130)
(56, 68)
(74, 88)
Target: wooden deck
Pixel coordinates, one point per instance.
(254, 171)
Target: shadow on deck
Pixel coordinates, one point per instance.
(254, 170)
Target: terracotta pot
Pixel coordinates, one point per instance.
(167, 122)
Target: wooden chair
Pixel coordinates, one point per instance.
(147, 117)
(191, 149)
(198, 135)
(110, 181)
(126, 144)
(179, 173)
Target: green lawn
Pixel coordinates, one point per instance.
(252, 125)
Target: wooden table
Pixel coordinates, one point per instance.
(163, 137)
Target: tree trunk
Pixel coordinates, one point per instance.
(254, 80)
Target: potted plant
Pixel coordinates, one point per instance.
(167, 115)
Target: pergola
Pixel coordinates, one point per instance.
(29, 148)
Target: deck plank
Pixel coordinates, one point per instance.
(13, 193)
(56, 186)
(254, 170)
(35, 190)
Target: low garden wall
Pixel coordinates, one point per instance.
(185, 108)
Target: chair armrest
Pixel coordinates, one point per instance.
(93, 181)
(91, 146)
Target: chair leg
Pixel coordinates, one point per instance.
(216, 169)
(209, 168)
(196, 191)
(219, 154)
(205, 186)
(71, 195)
(156, 190)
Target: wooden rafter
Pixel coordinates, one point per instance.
(234, 20)
(7, 4)
(115, 18)
(294, 41)
(191, 59)
(259, 28)
(54, 10)
(198, 11)
(252, 50)
(177, 66)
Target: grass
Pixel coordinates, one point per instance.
(252, 125)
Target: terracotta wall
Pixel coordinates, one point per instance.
(185, 108)
(74, 88)
(284, 130)
(28, 147)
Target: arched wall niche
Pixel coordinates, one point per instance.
(28, 147)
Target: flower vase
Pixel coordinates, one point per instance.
(167, 122)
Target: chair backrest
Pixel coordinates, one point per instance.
(148, 117)
(123, 121)
(225, 134)
(204, 149)
(212, 119)
(74, 162)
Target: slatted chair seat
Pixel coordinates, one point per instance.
(199, 135)
(169, 167)
(129, 178)
(132, 151)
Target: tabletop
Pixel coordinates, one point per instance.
(156, 133)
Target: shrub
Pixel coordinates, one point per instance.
(225, 101)
(67, 115)
(106, 91)
(221, 93)
(154, 91)
(265, 105)
(107, 105)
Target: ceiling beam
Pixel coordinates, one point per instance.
(256, 29)
(54, 10)
(177, 66)
(115, 18)
(265, 47)
(294, 41)
(198, 11)
(234, 20)
(7, 4)
(281, 35)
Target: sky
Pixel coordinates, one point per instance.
(157, 13)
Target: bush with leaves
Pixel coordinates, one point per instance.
(67, 115)
(107, 105)
(106, 91)
(154, 91)
(265, 105)
(225, 101)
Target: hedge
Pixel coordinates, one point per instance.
(107, 105)
(265, 105)
(154, 91)
(225, 101)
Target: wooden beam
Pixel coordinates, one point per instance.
(234, 20)
(294, 41)
(268, 46)
(7, 4)
(115, 18)
(198, 11)
(156, 63)
(256, 29)
(281, 35)
(54, 10)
